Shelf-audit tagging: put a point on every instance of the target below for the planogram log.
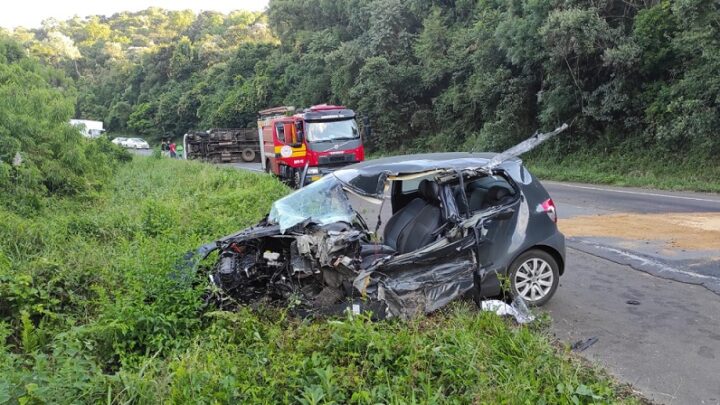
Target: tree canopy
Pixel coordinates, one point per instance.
(431, 75)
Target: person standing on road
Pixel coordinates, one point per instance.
(171, 148)
(179, 150)
(163, 147)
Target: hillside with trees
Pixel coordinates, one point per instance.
(638, 76)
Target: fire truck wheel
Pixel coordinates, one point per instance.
(268, 170)
(248, 155)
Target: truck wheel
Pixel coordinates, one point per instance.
(296, 178)
(268, 169)
(248, 155)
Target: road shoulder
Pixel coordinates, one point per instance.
(667, 346)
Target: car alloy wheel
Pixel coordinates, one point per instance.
(534, 277)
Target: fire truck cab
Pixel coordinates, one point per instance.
(310, 143)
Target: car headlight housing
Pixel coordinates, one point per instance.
(313, 170)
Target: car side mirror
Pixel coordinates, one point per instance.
(505, 214)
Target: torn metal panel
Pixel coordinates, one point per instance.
(524, 146)
(428, 286)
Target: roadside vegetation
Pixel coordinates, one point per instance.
(632, 170)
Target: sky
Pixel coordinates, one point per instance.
(30, 13)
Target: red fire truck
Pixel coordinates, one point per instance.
(312, 143)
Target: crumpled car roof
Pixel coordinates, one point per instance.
(407, 164)
(423, 162)
(369, 176)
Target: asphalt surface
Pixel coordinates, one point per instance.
(141, 152)
(255, 167)
(695, 266)
(583, 199)
(653, 311)
(666, 341)
(667, 346)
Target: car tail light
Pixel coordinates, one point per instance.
(548, 207)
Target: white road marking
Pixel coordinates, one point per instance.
(634, 192)
(647, 261)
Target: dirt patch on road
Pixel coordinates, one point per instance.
(696, 231)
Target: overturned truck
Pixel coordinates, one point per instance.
(223, 145)
(399, 236)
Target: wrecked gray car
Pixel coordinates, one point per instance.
(399, 236)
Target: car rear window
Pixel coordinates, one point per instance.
(411, 185)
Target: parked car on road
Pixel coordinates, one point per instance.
(136, 143)
(119, 141)
(400, 236)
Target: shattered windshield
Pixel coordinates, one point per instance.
(322, 202)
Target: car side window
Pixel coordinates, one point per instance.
(484, 193)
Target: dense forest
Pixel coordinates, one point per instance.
(632, 75)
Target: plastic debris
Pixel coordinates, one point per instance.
(581, 345)
(518, 309)
(17, 160)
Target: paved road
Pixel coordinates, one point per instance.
(255, 167)
(583, 199)
(668, 346)
(657, 251)
(141, 152)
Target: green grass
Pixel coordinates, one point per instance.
(629, 170)
(92, 311)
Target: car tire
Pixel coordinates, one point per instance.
(534, 275)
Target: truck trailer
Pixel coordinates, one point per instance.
(89, 128)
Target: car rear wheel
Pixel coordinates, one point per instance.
(534, 276)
